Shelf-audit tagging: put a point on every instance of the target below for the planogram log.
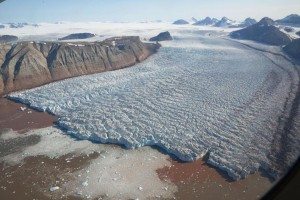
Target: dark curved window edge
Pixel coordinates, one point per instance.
(288, 187)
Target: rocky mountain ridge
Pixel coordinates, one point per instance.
(26, 65)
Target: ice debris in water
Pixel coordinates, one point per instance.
(85, 183)
(52, 189)
(22, 108)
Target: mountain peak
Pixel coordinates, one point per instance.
(181, 22)
(224, 19)
(224, 22)
(266, 21)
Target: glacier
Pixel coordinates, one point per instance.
(199, 95)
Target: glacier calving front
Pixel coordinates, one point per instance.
(196, 96)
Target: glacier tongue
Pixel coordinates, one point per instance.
(196, 96)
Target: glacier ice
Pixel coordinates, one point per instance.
(198, 95)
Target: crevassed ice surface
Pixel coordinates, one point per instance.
(197, 95)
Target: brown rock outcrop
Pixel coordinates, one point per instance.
(28, 64)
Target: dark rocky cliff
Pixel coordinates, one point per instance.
(28, 64)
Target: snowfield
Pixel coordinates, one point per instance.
(198, 95)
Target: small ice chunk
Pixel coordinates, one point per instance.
(52, 189)
(102, 156)
(85, 184)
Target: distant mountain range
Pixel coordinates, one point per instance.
(293, 20)
(17, 25)
(224, 22)
(207, 21)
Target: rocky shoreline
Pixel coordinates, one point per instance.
(26, 65)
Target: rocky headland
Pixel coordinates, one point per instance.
(26, 65)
